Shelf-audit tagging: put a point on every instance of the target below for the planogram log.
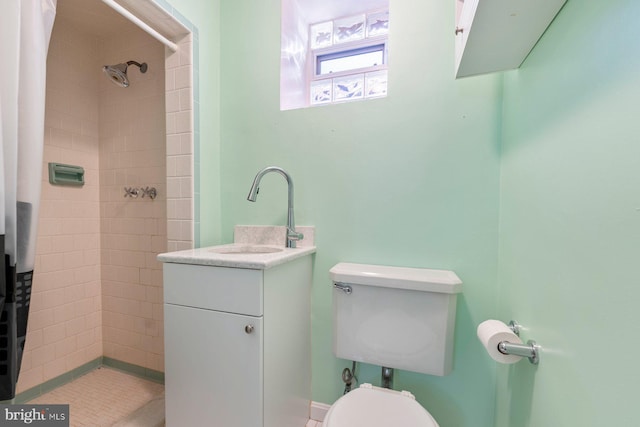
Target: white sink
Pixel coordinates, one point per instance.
(255, 247)
(245, 249)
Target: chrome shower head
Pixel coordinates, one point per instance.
(118, 73)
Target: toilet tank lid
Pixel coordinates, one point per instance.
(418, 279)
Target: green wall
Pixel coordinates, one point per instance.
(409, 180)
(414, 180)
(570, 220)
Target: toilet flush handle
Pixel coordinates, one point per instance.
(344, 288)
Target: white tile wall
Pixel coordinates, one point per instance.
(98, 287)
(133, 154)
(65, 325)
(179, 83)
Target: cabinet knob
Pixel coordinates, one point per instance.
(248, 329)
(459, 30)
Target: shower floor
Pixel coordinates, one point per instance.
(106, 397)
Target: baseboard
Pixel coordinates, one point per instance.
(47, 386)
(130, 368)
(318, 411)
(56, 382)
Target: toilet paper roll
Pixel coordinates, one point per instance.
(491, 333)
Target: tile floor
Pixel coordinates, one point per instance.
(102, 397)
(106, 397)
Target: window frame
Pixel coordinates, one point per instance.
(338, 49)
(353, 84)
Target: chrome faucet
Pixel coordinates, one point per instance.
(292, 235)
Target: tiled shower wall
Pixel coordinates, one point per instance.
(180, 142)
(134, 230)
(98, 288)
(64, 329)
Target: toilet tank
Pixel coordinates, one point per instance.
(396, 317)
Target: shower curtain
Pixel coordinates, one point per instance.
(25, 31)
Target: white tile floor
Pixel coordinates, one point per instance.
(102, 397)
(106, 397)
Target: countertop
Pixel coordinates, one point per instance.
(254, 261)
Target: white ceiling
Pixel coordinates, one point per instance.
(317, 11)
(94, 17)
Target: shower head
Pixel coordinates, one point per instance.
(118, 73)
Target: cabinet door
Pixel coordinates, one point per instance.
(498, 35)
(213, 368)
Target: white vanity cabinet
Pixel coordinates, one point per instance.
(237, 344)
(497, 35)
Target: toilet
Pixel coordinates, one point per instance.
(375, 406)
(394, 317)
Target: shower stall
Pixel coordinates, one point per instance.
(97, 289)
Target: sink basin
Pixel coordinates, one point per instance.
(246, 249)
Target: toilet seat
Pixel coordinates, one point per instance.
(370, 406)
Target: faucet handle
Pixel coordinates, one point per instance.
(293, 237)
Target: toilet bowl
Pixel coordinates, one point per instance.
(370, 406)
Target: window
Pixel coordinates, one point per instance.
(332, 51)
(349, 58)
(352, 59)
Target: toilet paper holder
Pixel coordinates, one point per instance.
(531, 350)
